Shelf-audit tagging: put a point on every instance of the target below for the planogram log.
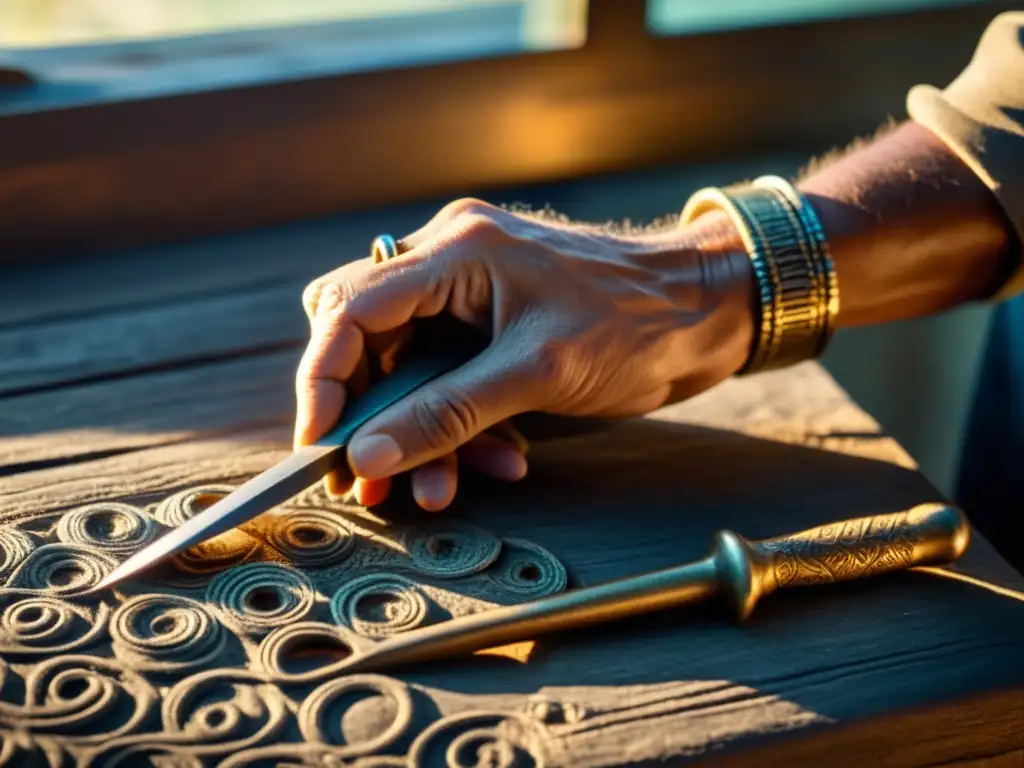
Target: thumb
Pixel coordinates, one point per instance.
(444, 414)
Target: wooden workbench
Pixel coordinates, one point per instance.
(131, 378)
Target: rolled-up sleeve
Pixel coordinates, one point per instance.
(981, 116)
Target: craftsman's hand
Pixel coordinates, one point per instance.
(582, 322)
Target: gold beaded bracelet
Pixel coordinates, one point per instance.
(795, 278)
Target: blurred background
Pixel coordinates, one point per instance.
(612, 111)
(543, 22)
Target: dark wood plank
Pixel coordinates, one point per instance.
(814, 673)
(164, 407)
(211, 267)
(48, 355)
(145, 410)
(252, 392)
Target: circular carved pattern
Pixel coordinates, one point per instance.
(262, 596)
(165, 632)
(117, 528)
(94, 701)
(15, 546)
(87, 700)
(311, 537)
(358, 727)
(48, 625)
(527, 570)
(62, 569)
(379, 604)
(315, 496)
(479, 740)
(290, 652)
(176, 509)
(193, 567)
(218, 713)
(449, 548)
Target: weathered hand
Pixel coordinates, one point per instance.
(582, 322)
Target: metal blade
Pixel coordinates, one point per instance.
(275, 486)
(599, 604)
(447, 345)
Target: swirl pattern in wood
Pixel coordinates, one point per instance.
(205, 663)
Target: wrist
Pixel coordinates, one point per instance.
(705, 273)
(730, 286)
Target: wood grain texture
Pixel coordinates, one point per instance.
(239, 263)
(73, 351)
(146, 410)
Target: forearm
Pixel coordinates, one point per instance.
(911, 229)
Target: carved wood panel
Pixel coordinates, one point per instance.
(223, 657)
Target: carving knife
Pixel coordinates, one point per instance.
(737, 571)
(439, 345)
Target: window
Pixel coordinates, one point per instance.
(48, 23)
(82, 51)
(675, 17)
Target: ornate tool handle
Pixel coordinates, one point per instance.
(929, 534)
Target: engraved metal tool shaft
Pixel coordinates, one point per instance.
(736, 570)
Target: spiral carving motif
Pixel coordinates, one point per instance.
(449, 549)
(261, 596)
(526, 570)
(116, 528)
(86, 700)
(480, 740)
(311, 538)
(166, 633)
(206, 717)
(379, 604)
(249, 713)
(182, 506)
(396, 708)
(62, 569)
(285, 652)
(195, 566)
(256, 668)
(46, 626)
(15, 546)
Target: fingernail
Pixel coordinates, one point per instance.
(374, 456)
(433, 488)
(512, 435)
(514, 466)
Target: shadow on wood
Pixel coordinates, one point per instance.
(643, 494)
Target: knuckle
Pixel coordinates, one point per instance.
(482, 229)
(466, 206)
(321, 296)
(445, 418)
(311, 296)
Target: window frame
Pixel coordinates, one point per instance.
(130, 172)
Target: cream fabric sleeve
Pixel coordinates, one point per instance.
(981, 116)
